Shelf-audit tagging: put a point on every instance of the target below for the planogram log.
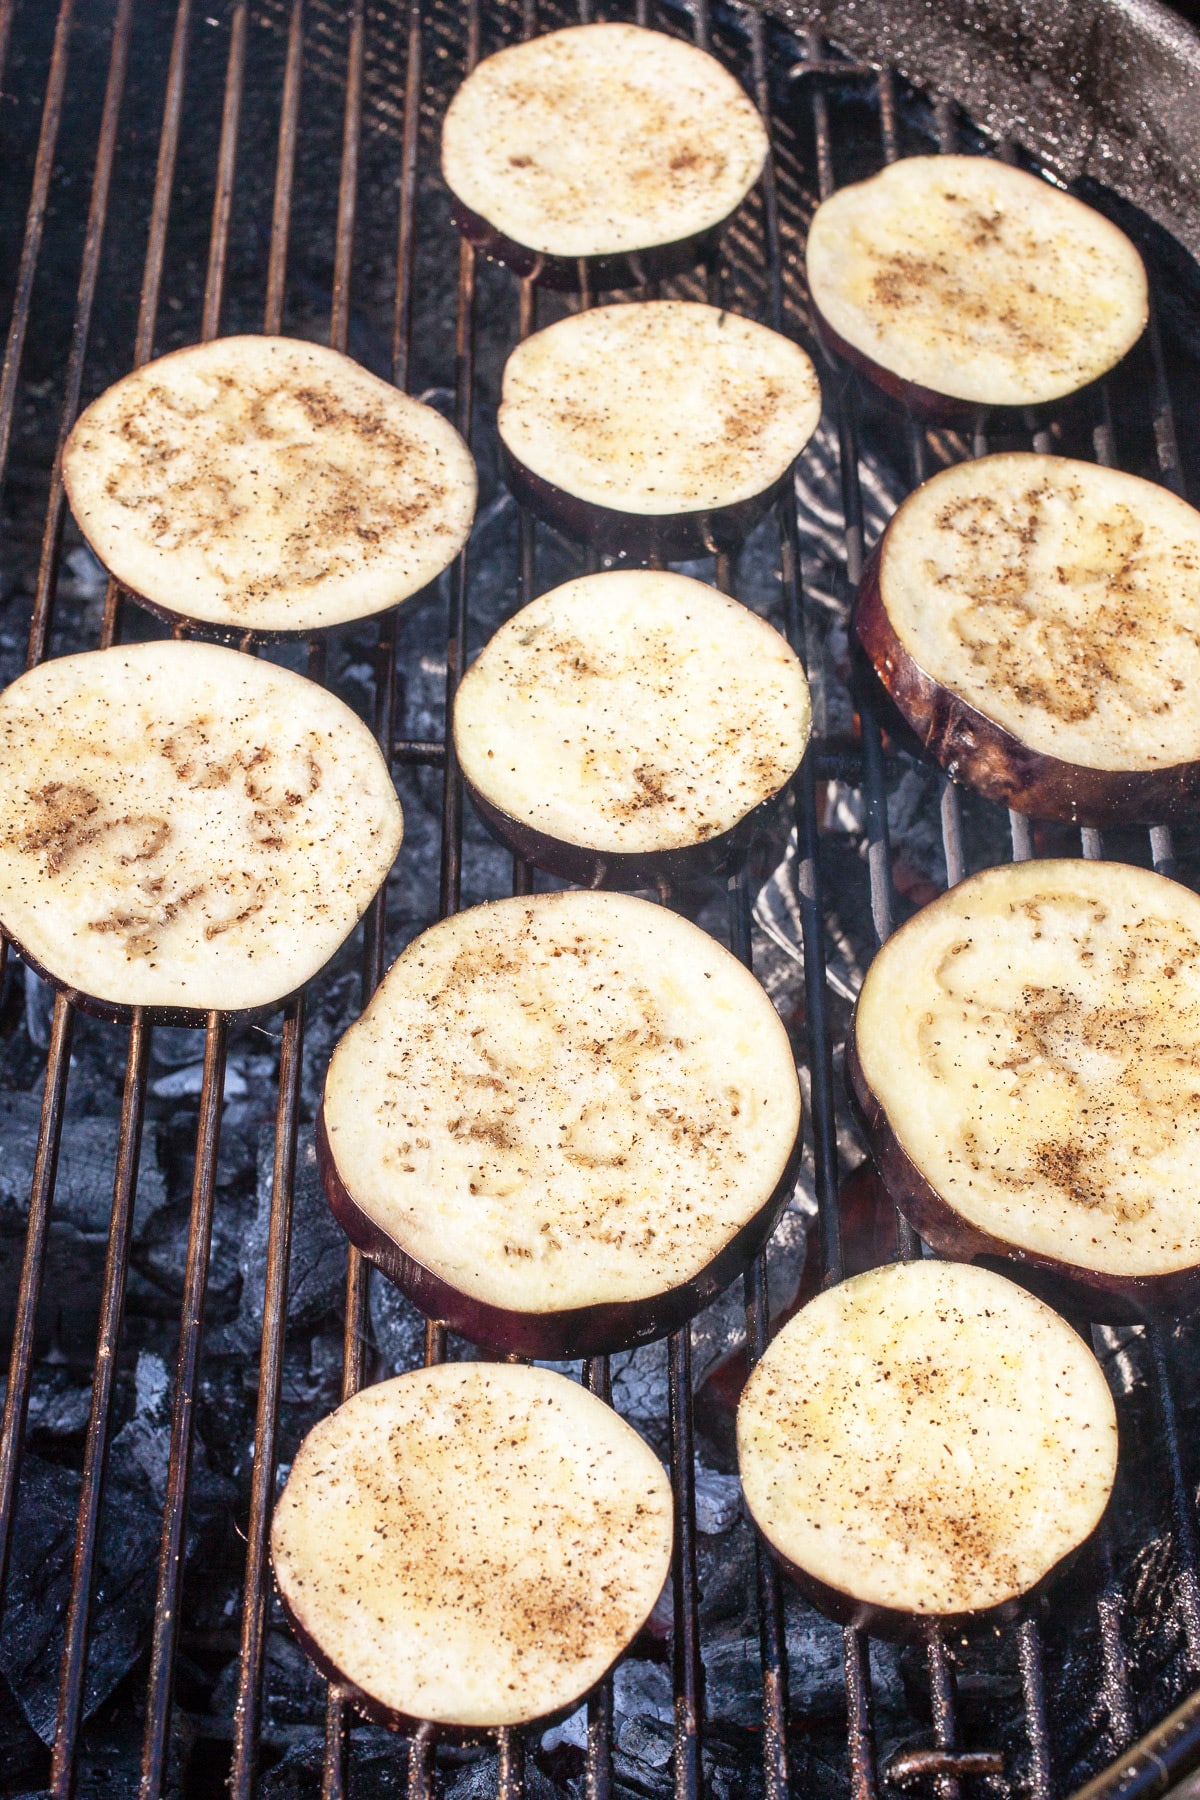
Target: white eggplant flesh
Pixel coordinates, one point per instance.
(966, 278)
(925, 1441)
(1024, 1055)
(473, 1544)
(601, 139)
(632, 712)
(658, 407)
(185, 827)
(267, 485)
(1059, 598)
(559, 1119)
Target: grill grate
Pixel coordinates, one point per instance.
(391, 68)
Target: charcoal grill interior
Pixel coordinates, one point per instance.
(173, 171)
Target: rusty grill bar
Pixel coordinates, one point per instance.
(802, 89)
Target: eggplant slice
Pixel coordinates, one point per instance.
(563, 1124)
(956, 282)
(185, 828)
(474, 1544)
(606, 145)
(1023, 1057)
(627, 718)
(657, 427)
(926, 1441)
(1034, 620)
(267, 486)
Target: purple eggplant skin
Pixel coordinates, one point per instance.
(598, 1330)
(599, 274)
(985, 756)
(405, 1723)
(897, 1625)
(672, 537)
(616, 869)
(1079, 1293)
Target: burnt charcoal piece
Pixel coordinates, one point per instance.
(43, 1544)
(70, 1299)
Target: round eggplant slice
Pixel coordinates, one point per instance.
(563, 1124)
(1023, 1058)
(925, 1442)
(629, 717)
(473, 1544)
(655, 428)
(1033, 619)
(185, 828)
(958, 281)
(607, 145)
(268, 487)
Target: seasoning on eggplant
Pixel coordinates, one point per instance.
(959, 281)
(1034, 619)
(183, 827)
(563, 1124)
(606, 144)
(474, 1544)
(1023, 1057)
(658, 427)
(925, 1442)
(627, 718)
(266, 485)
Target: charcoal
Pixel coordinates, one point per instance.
(733, 1692)
(397, 1328)
(317, 1262)
(648, 1741)
(727, 1573)
(31, 1637)
(140, 1452)
(292, 1691)
(70, 1300)
(478, 1782)
(718, 1501)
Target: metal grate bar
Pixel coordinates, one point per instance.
(35, 220)
(195, 1283)
(20, 1367)
(156, 245)
(1033, 1688)
(285, 172)
(685, 1638)
(270, 1382)
(74, 1661)
(81, 329)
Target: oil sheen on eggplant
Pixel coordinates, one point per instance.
(1034, 619)
(1023, 1058)
(606, 145)
(563, 1123)
(959, 281)
(925, 1441)
(267, 486)
(183, 827)
(658, 427)
(629, 715)
(472, 1544)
